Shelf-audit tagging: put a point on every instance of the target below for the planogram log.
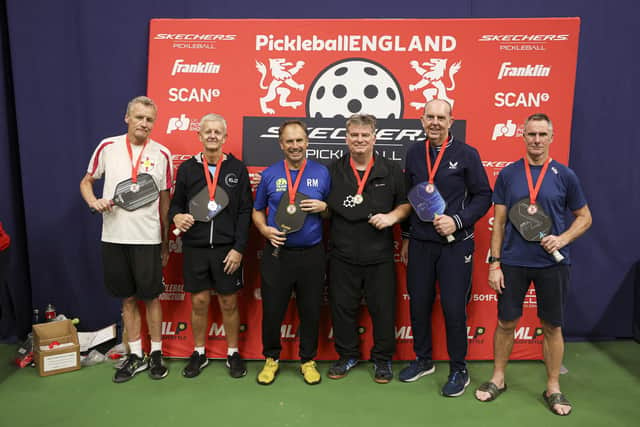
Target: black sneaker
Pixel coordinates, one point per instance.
(237, 368)
(341, 368)
(383, 372)
(196, 364)
(131, 366)
(157, 369)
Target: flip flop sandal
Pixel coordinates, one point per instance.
(556, 399)
(492, 389)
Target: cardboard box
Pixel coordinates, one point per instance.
(55, 347)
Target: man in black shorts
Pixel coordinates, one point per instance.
(515, 263)
(213, 250)
(134, 243)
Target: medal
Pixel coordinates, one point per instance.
(429, 188)
(134, 166)
(212, 183)
(292, 187)
(532, 209)
(134, 188)
(212, 205)
(358, 198)
(291, 209)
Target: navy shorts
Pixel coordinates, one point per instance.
(132, 270)
(203, 268)
(551, 285)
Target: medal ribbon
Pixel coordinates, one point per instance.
(294, 189)
(212, 185)
(136, 165)
(533, 191)
(361, 181)
(432, 170)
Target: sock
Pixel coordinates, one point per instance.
(232, 350)
(156, 346)
(135, 347)
(200, 350)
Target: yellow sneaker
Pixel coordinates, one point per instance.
(310, 372)
(268, 373)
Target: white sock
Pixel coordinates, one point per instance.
(156, 346)
(135, 347)
(200, 350)
(232, 350)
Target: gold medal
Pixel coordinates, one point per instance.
(291, 209)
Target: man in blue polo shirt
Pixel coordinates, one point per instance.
(300, 265)
(515, 263)
(443, 249)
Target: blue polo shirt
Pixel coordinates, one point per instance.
(315, 184)
(559, 194)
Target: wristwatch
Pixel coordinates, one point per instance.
(493, 259)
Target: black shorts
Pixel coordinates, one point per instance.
(203, 268)
(551, 285)
(132, 270)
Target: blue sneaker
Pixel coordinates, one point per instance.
(458, 382)
(341, 368)
(416, 370)
(382, 371)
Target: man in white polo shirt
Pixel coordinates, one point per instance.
(134, 243)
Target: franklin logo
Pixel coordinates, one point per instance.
(231, 180)
(279, 74)
(200, 68)
(432, 73)
(539, 70)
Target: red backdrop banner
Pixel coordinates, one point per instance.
(258, 73)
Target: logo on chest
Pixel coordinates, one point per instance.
(147, 165)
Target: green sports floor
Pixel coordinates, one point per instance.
(603, 383)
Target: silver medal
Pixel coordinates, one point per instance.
(135, 188)
(291, 209)
(429, 188)
(212, 205)
(532, 209)
(357, 199)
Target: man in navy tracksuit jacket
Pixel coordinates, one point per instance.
(457, 173)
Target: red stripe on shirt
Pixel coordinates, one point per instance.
(102, 146)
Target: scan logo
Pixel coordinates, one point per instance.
(352, 86)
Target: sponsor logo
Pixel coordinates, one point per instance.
(173, 330)
(356, 43)
(179, 67)
(194, 41)
(432, 77)
(175, 247)
(216, 330)
(539, 70)
(520, 99)
(523, 37)
(280, 73)
(484, 298)
(476, 335)
(327, 139)
(355, 85)
(404, 333)
(172, 292)
(467, 259)
(495, 166)
(287, 332)
(182, 123)
(530, 299)
(527, 335)
(503, 129)
(453, 165)
(231, 180)
(199, 95)
(281, 184)
(523, 43)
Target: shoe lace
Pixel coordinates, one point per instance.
(456, 376)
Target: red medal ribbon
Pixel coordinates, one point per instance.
(361, 181)
(212, 185)
(533, 191)
(136, 165)
(432, 170)
(294, 189)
